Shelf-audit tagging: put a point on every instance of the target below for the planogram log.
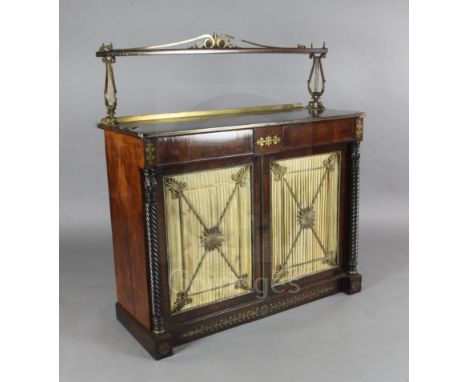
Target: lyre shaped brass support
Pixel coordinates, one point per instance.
(110, 91)
(316, 82)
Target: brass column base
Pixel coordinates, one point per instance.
(315, 106)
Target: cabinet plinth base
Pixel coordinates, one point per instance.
(160, 346)
(352, 283)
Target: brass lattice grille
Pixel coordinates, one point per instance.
(304, 215)
(209, 237)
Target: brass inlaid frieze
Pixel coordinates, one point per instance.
(208, 220)
(257, 312)
(304, 215)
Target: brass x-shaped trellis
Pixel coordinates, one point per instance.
(305, 217)
(211, 238)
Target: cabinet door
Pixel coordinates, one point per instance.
(209, 235)
(304, 215)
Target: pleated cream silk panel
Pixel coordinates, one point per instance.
(304, 215)
(209, 236)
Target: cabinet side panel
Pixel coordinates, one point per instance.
(125, 159)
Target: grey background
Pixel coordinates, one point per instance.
(360, 338)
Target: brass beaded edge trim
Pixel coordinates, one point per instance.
(257, 312)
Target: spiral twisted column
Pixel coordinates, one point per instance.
(153, 250)
(353, 236)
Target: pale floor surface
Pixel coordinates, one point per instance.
(363, 337)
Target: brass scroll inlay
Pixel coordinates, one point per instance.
(208, 219)
(257, 312)
(268, 140)
(304, 215)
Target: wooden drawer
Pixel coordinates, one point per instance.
(203, 146)
(314, 133)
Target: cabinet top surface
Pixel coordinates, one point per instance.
(194, 125)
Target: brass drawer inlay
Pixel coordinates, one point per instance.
(268, 140)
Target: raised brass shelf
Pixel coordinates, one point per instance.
(208, 44)
(152, 52)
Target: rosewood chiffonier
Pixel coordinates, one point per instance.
(221, 217)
